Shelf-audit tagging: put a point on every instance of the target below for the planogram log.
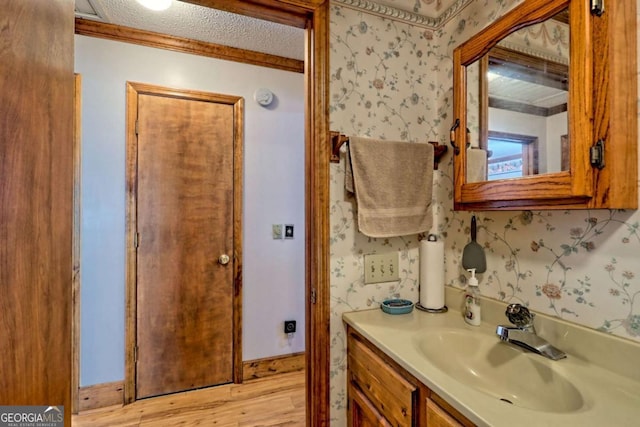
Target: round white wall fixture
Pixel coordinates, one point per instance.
(156, 4)
(263, 96)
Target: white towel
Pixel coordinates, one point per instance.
(476, 165)
(393, 182)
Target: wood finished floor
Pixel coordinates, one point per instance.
(273, 401)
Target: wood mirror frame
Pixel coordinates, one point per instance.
(602, 81)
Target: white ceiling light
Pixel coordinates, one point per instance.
(155, 4)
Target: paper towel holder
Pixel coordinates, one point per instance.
(444, 309)
(419, 306)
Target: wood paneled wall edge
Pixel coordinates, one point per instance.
(101, 395)
(86, 27)
(260, 368)
(109, 394)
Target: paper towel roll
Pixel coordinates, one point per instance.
(432, 274)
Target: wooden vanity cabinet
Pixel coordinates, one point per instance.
(381, 393)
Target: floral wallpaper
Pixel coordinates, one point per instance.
(391, 80)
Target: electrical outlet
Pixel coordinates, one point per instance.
(289, 326)
(381, 267)
(276, 231)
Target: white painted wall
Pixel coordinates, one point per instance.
(522, 124)
(557, 125)
(547, 129)
(273, 270)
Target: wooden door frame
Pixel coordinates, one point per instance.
(313, 15)
(36, 180)
(75, 248)
(133, 90)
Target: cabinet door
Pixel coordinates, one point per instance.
(541, 128)
(362, 413)
(388, 390)
(438, 417)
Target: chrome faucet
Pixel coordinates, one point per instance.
(523, 334)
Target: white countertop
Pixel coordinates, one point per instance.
(609, 398)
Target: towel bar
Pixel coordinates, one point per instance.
(338, 140)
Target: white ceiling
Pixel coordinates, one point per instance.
(514, 90)
(199, 23)
(228, 29)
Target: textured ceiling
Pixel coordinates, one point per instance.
(205, 24)
(200, 23)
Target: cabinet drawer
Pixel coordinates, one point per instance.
(438, 417)
(387, 390)
(362, 413)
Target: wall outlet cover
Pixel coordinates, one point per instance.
(288, 231)
(289, 326)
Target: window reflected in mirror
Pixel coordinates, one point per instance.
(511, 155)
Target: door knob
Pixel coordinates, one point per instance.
(224, 259)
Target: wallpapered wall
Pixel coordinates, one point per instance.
(393, 81)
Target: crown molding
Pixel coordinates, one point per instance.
(536, 53)
(407, 17)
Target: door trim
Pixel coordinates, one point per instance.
(133, 90)
(75, 242)
(86, 27)
(313, 15)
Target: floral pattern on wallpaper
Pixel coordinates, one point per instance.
(390, 80)
(380, 80)
(383, 81)
(553, 271)
(549, 39)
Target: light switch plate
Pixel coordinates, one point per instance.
(276, 231)
(381, 268)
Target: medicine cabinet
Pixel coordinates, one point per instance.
(545, 109)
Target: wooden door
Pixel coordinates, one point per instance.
(36, 140)
(185, 223)
(314, 15)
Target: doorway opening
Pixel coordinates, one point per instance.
(314, 18)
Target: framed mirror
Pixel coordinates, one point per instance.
(523, 89)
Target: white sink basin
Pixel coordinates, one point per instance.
(498, 369)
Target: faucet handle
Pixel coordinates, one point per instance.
(519, 315)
